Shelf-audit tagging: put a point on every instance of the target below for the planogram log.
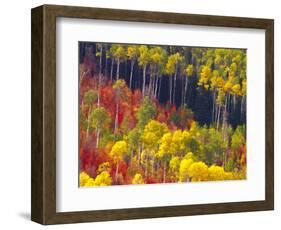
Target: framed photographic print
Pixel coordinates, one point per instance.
(140, 114)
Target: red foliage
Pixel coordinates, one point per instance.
(151, 180)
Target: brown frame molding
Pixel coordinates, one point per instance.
(43, 159)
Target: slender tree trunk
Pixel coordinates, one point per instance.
(164, 173)
(98, 138)
(81, 78)
(105, 70)
(156, 86)
(150, 85)
(98, 98)
(139, 153)
(152, 167)
(116, 172)
(143, 80)
(171, 85)
(132, 156)
(131, 73)
(174, 92)
(234, 102)
(159, 89)
(146, 168)
(88, 122)
(116, 118)
(111, 70)
(185, 90)
(118, 66)
(216, 114)
(241, 106)
(218, 121)
(214, 99)
(99, 84)
(225, 106)
(182, 90)
(153, 86)
(101, 49)
(125, 74)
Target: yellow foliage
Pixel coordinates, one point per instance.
(174, 165)
(229, 176)
(198, 171)
(90, 182)
(132, 52)
(236, 89)
(84, 177)
(244, 87)
(206, 86)
(105, 166)
(205, 76)
(153, 132)
(216, 173)
(118, 149)
(166, 142)
(103, 179)
(228, 86)
(221, 97)
(189, 70)
(176, 145)
(184, 169)
(189, 155)
(138, 179)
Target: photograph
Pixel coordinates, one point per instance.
(141, 114)
(154, 114)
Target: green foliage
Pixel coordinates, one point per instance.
(146, 112)
(90, 97)
(238, 138)
(134, 138)
(100, 118)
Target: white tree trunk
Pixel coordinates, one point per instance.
(156, 86)
(88, 122)
(164, 173)
(98, 138)
(118, 66)
(185, 91)
(143, 80)
(218, 120)
(159, 88)
(174, 92)
(116, 172)
(171, 85)
(111, 70)
(116, 118)
(131, 73)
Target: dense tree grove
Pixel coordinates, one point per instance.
(161, 114)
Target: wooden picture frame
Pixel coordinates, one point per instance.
(43, 189)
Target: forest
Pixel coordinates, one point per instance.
(161, 114)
